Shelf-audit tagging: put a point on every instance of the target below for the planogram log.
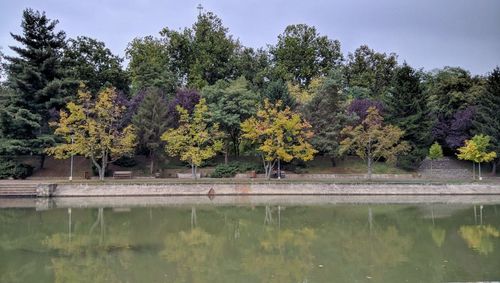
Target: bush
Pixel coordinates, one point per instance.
(249, 166)
(6, 169)
(22, 171)
(225, 171)
(11, 169)
(126, 161)
(229, 170)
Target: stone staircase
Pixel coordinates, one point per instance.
(18, 190)
(446, 168)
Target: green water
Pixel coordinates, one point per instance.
(252, 243)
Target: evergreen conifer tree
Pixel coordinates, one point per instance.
(487, 118)
(40, 87)
(407, 107)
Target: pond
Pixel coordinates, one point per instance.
(262, 240)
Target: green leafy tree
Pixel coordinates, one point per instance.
(230, 104)
(151, 122)
(91, 62)
(150, 65)
(203, 54)
(252, 64)
(370, 72)
(487, 118)
(371, 140)
(279, 135)
(278, 91)
(476, 150)
(328, 116)
(406, 105)
(91, 128)
(194, 141)
(450, 90)
(39, 83)
(302, 54)
(435, 152)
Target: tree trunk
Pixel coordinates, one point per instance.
(267, 169)
(279, 169)
(473, 170)
(102, 171)
(226, 158)
(369, 168)
(332, 159)
(42, 161)
(432, 175)
(152, 164)
(494, 167)
(236, 147)
(193, 171)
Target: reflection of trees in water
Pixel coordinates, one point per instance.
(89, 256)
(479, 237)
(281, 255)
(365, 246)
(196, 255)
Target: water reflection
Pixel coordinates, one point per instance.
(269, 243)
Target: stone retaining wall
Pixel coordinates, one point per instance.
(275, 189)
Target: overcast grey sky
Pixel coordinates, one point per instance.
(426, 33)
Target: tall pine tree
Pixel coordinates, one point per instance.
(151, 122)
(487, 118)
(328, 116)
(38, 81)
(407, 108)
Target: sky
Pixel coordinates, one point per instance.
(426, 34)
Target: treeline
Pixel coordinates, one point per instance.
(333, 103)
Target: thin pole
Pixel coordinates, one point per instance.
(71, 166)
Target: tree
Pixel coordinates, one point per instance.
(91, 62)
(90, 128)
(360, 106)
(435, 152)
(370, 70)
(407, 108)
(279, 135)
(151, 122)
(328, 116)
(185, 98)
(278, 91)
(303, 94)
(475, 150)
(302, 54)
(452, 90)
(194, 140)
(150, 65)
(203, 54)
(38, 80)
(230, 104)
(487, 118)
(371, 140)
(252, 64)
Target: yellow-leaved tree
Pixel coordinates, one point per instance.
(92, 128)
(194, 140)
(371, 140)
(475, 150)
(279, 135)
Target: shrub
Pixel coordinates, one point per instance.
(22, 171)
(11, 169)
(230, 169)
(225, 171)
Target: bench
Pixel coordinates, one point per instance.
(122, 175)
